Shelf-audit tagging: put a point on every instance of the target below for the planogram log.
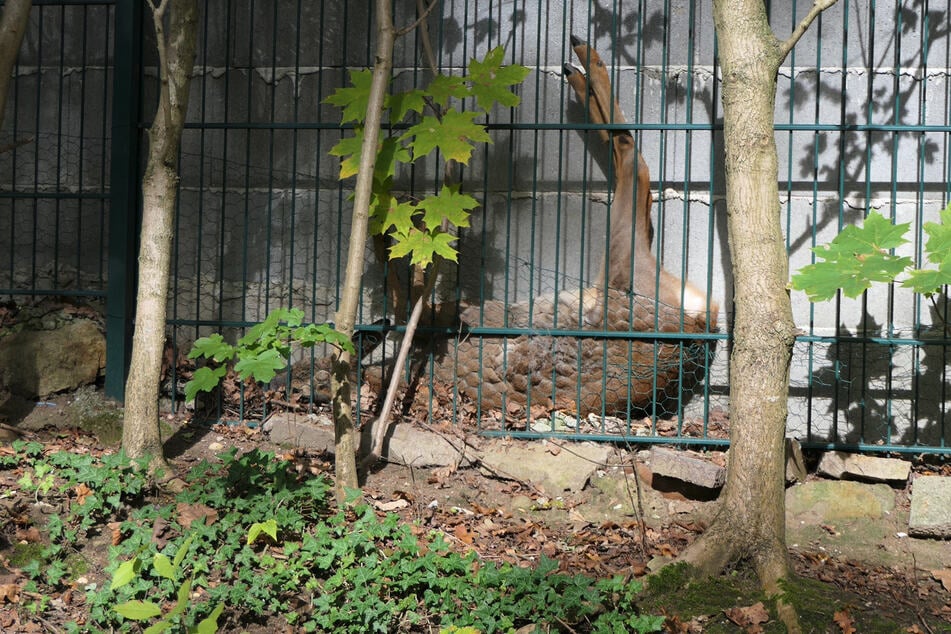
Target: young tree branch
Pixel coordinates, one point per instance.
(817, 7)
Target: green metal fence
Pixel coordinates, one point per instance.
(863, 122)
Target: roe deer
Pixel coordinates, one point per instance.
(632, 294)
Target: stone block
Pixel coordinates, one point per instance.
(686, 466)
(295, 430)
(37, 363)
(842, 465)
(567, 470)
(833, 500)
(930, 507)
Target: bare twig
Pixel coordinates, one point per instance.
(419, 20)
(817, 7)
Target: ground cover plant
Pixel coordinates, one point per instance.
(248, 541)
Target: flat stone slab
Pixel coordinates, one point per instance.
(839, 464)
(836, 500)
(411, 445)
(566, 469)
(686, 466)
(314, 432)
(930, 507)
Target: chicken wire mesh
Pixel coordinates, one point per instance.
(863, 123)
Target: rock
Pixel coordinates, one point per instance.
(686, 466)
(835, 500)
(299, 431)
(412, 445)
(37, 363)
(839, 464)
(795, 465)
(930, 507)
(569, 470)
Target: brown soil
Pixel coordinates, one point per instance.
(607, 528)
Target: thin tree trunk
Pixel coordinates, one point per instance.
(345, 433)
(141, 433)
(751, 521)
(13, 23)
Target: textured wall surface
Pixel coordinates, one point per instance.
(863, 118)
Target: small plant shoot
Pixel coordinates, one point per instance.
(260, 354)
(860, 256)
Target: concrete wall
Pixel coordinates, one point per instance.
(263, 216)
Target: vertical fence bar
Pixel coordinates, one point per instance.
(123, 204)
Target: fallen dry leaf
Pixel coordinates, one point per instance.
(750, 617)
(82, 492)
(188, 513)
(843, 619)
(115, 527)
(9, 593)
(463, 534)
(944, 576)
(393, 505)
(29, 535)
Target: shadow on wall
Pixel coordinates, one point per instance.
(881, 393)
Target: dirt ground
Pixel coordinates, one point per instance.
(598, 531)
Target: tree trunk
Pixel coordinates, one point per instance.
(345, 433)
(12, 27)
(140, 433)
(750, 524)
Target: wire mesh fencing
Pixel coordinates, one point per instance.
(511, 344)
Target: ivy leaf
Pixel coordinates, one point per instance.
(422, 246)
(138, 610)
(445, 86)
(403, 102)
(353, 99)
(268, 527)
(261, 367)
(448, 204)
(854, 259)
(209, 625)
(453, 136)
(491, 81)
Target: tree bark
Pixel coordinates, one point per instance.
(141, 434)
(750, 524)
(13, 23)
(345, 468)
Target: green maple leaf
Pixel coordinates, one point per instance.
(857, 257)
(453, 136)
(348, 149)
(212, 347)
(448, 204)
(445, 86)
(399, 216)
(390, 152)
(261, 367)
(938, 246)
(929, 281)
(422, 246)
(491, 81)
(353, 99)
(403, 102)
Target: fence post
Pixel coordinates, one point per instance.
(124, 198)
